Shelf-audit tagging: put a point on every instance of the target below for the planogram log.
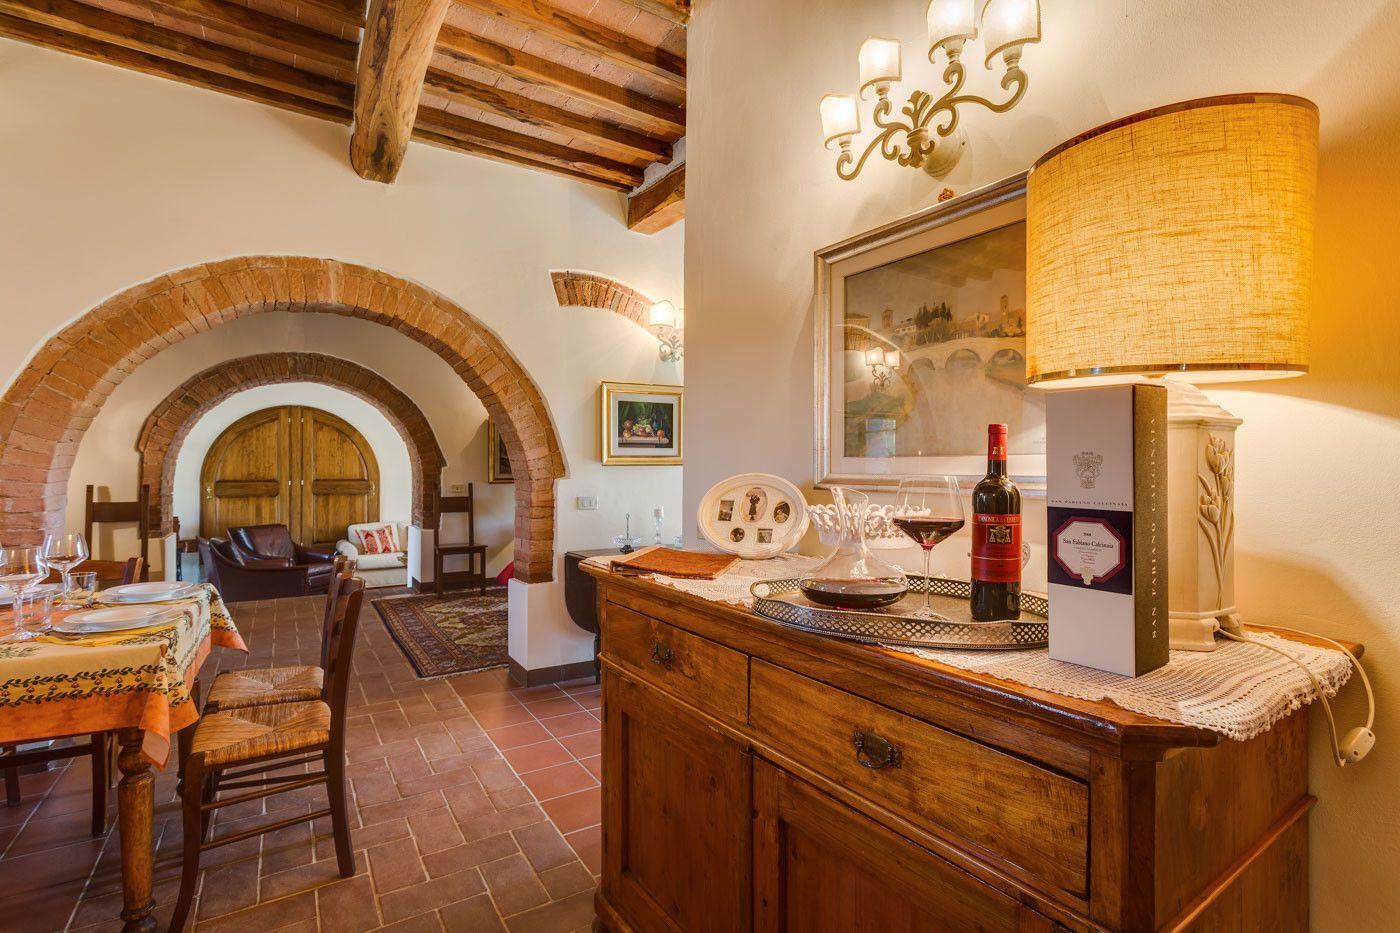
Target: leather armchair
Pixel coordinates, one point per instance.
(274, 542)
(239, 578)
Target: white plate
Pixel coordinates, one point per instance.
(118, 619)
(736, 522)
(6, 598)
(147, 592)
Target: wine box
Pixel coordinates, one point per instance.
(1106, 477)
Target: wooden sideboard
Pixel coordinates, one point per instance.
(760, 778)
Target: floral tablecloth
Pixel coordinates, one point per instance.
(142, 680)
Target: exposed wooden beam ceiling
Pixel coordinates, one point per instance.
(659, 204)
(597, 100)
(630, 105)
(570, 29)
(394, 53)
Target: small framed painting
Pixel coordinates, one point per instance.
(497, 460)
(641, 424)
(921, 343)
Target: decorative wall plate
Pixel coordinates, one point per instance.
(753, 515)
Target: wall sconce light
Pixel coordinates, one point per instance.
(916, 140)
(882, 365)
(663, 321)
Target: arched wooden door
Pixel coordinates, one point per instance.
(300, 467)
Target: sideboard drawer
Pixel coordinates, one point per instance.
(1028, 815)
(699, 671)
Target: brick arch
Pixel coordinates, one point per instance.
(170, 422)
(573, 288)
(54, 399)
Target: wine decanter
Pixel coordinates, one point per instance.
(853, 577)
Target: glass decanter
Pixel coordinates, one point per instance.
(853, 577)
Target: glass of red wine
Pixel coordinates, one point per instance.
(929, 509)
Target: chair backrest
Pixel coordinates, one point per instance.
(340, 569)
(340, 650)
(138, 512)
(453, 505)
(108, 571)
(264, 540)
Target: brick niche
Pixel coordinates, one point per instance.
(54, 399)
(590, 290)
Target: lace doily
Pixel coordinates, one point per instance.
(1238, 690)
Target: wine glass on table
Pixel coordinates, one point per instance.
(63, 553)
(929, 509)
(20, 569)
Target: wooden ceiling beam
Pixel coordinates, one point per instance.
(627, 104)
(493, 137)
(95, 23)
(673, 11)
(578, 32)
(510, 158)
(110, 54)
(659, 204)
(345, 12)
(395, 49)
(264, 29)
(527, 110)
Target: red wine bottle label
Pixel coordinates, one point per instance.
(996, 548)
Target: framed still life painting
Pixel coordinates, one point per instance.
(497, 460)
(641, 424)
(921, 343)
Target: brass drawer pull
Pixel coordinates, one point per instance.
(874, 752)
(662, 654)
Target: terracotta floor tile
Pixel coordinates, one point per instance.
(470, 855)
(526, 733)
(572, 724)
(528, 694)
(512, 715)
(584, 744)
(567, 879)
(430, 895)
(396, 865)
(552, 706)
(558, 780)
(594, 766)
(475, 914)
(526, 758)
(543, 845)
(588, 843)
(513, 884)
(558, 917)
(575, 811)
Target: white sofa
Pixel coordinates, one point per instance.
(377, 569)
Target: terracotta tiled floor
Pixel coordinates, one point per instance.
(476, 808)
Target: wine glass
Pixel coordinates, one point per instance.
(20, 569)
(929, 509)
(63, 553)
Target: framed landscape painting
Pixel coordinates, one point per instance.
(921, 343)
(497, 460)
(641, 424)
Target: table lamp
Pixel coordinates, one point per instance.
(1177, 244)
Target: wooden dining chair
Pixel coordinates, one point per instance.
(101, 746)
(236, 749)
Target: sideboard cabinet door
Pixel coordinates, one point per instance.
(820, 866)
(675, 815)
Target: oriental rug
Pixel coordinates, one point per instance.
(455, 633)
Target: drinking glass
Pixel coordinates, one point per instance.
(929, 509)
(35, 608)
(20, 569)
(84, 587)
(63, 553)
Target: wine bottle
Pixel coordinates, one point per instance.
(996, 537)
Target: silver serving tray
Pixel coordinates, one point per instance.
(782, 601)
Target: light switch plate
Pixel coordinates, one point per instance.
(587, 503)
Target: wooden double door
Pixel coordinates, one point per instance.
(291, 465)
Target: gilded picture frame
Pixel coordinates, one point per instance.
(641, 424)
(920, 343)
(498, 469)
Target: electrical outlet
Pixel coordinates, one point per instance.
(587, 503)
(458, 489)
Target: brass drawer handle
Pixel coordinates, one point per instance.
(874, 752)
(662, 654)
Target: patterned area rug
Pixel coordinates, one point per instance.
(448, 634)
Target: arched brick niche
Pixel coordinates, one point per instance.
(53, 400)
(590, 290)
(171, 420)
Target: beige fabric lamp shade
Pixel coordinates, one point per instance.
(1177, 241)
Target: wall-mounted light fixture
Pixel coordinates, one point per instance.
(917, 140)
(664, 324)
(882, 365)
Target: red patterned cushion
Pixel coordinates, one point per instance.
(381, 539)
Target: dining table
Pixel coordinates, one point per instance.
(137, 684)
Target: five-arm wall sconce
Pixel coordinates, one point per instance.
(664, 323)
(928, 135)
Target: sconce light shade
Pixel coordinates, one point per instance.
(875, 356)
(879, 63)
(662, 314)
(950, 23)
(892, 359)
(1177, 241)
(1007, 25)
(840, 118)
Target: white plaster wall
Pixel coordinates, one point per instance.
(762, 195)
(119, 177)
